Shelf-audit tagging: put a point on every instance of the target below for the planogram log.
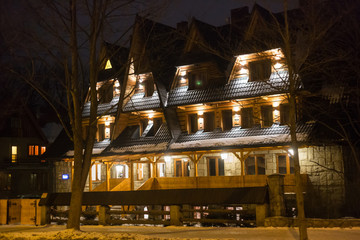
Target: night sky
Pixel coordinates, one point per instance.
(213, 12)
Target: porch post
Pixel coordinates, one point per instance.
(175, 215)
(103, 215)
(107, 177)
(276, 195)
(196, 165)
(90, 178)
(131, 176)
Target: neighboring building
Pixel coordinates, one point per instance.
(24, 173)
(201, 110)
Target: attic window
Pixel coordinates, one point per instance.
(260, 70)
(197, 80)
(108, 64)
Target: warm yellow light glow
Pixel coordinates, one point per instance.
(201, 113)
(224, 156)
(291, 152)
(13, 149)
(277, 65)
(201, 120)
(183, 80)
(151, 115)
(182, 73)
(167, 159)
(276, 104)
(242, 63)
(117, 84)
(276, 113)
(243, 71)
(108, 64)
(151, 121)
(185, 159)
(236, 109)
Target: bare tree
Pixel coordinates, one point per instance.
(70, 34)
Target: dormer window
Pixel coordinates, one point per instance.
(149, 87)
(197, 80)
(260, 70)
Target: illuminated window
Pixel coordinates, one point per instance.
(140, 171)
(266, 116)
(161, 169)
(121, 171)
(255, 165)
(216, 166)
(108, 64)
(260, 70)
(43, 149)
(14, 154)
(182, 168)
(285, 164)
(96, 172)
(247, 118)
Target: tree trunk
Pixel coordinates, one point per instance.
(298, 182)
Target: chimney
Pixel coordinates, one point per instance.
(182, 27)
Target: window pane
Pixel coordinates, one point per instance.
(260, 165)
(98, 171)
(282, 164)
(212, 167)
(260, 70)
(250, 166)
(101, 132)
(246, 117)
(193, 123)
(93, 172)
(267, 116)
(284, 114)
(221, 167)
(291, 160)
(227, 119)
(178, 168)
(186, 169)
(209, 121)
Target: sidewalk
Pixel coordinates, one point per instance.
(149, 232)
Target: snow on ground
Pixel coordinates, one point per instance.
(19, 232)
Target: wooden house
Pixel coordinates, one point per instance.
(199, 107)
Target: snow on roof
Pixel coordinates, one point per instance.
(227, 142)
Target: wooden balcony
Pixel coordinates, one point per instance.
(124, 184)
(217, 182)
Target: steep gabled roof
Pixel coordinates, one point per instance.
(129, 141)
(236, 89)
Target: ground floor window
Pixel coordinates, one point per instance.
(182, 168)
(161, 169)
(140, 171)
(255, 165)
(121, 171)
(96, 172)
(285, 164)
(216, 166)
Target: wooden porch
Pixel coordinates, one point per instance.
(162, 183)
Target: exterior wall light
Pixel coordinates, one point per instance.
(276, 104)
(65, 176)
(167, 159)
(291, 152)
(236, 109)
(224, 156)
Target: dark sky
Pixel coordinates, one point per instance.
(213, 12)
